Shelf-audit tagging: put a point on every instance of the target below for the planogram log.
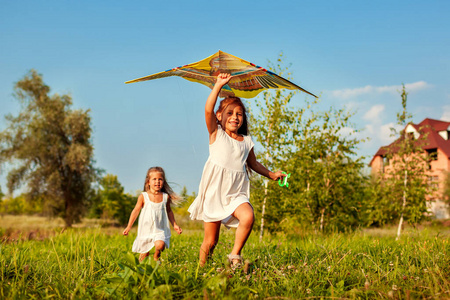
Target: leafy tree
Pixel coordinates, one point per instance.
(331, 185)
(182, 208)
(318, 149)
(49, 144)
(20, 206)
(110, 202)
(446, 193)
(271, 121)
(403, 185)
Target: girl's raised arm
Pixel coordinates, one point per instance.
(260, 169)
(134, 214)
(210, 116)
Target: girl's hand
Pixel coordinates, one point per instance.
(177, 228)
(277, 175)
(222, 79)
(125, 232)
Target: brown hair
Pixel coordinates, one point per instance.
(173, 197)
(235, 100)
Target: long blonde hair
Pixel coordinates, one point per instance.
(173, 197)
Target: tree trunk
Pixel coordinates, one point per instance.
(266, 183)
(322, 213)
(400, 223)
(68, 220)
(263, 211)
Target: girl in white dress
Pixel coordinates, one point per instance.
(224, 189)
(153, 227)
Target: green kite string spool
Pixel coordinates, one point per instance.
(284, 182)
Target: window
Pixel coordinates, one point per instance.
(433, 182)
(431, 156)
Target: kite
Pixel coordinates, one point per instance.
(247, 81)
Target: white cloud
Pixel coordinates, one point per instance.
(368, 89)
(385, 132)
(373, 114)
(347, 131)
(445, 113)
(370, 129)
(417, 86)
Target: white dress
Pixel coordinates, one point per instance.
(225, 184)
(153, 225)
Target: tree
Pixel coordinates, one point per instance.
(318, 149)
(49, 144)
(270, 122)
(403, 186)
(110, 202)
(331, 185)
(446, 193)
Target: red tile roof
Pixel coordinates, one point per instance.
(434, 140)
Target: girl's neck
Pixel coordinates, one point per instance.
(153, 192)
(234, 135)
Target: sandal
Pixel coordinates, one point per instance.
(235, 260)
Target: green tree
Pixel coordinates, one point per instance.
(21, 206)
(182, 208)
(318, 149)
(331, 185)
(403, 186)
(446, 193)
(270, 124)
(110, 202)
(49, 144)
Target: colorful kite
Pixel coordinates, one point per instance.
(248, 79)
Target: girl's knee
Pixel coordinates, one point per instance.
(209, 243)
(159, 245)
(247, 220)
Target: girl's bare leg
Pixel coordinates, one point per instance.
(212, 231)
(244, 213)
(159, 248)
(142, 256)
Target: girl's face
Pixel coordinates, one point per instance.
(156, 181)
(232, 117)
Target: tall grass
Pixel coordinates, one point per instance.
(97, 263)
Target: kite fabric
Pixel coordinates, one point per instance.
(247, 81)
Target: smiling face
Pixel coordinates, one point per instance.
(231, 118)
(156, 181)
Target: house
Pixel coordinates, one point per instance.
(436, 144)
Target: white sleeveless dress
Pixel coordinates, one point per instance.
(225, 184)
(153, 225)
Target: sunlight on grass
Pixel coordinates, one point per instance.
(95, 262)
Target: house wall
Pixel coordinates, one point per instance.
(437, 174)
(439, 168)
(377, 165)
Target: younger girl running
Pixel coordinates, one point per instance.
(224, 189)
(153, 228)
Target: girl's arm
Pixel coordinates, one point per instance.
(171, 217)
(260, 169)
(210, 116)
(134, 214)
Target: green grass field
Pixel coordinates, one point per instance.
(95, 262)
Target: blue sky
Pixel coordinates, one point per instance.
(353, 53)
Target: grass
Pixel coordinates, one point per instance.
(94, 262)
